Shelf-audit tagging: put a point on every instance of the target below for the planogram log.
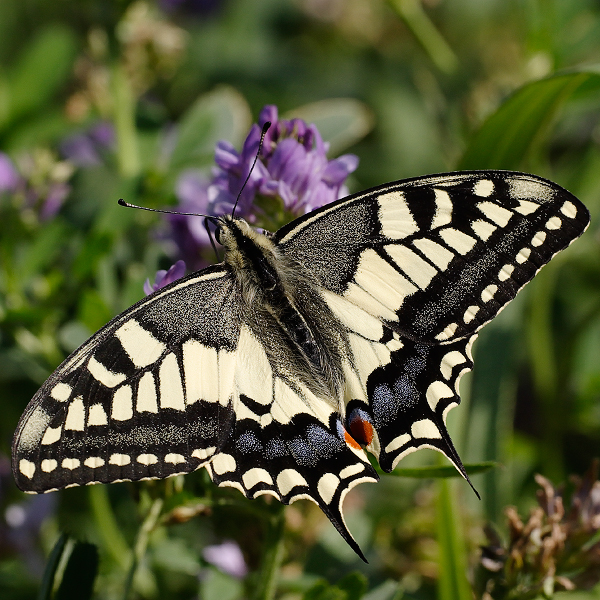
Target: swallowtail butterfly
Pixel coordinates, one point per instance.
(346, 330)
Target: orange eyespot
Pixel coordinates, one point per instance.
(362, 431)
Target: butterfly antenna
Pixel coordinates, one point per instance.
(167, 212)
(260, 145)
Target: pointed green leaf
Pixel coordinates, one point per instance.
(510, 134)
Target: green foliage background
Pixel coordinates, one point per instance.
(410, 87)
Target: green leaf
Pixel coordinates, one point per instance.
(510, 134)
(452, 583)
(355, 585)
(80, 573)
(220, 115)
(341, 121)
(443, 471)
(45, 592)
(41, 71)
(42, 251)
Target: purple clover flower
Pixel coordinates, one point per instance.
(165, 277)
(85, 149)
(9, 176)
(292, 171)
(227, 557)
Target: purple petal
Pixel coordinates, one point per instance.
(191, 190)
(80, 150)
(226, 156)
(339, 168)
(163, 278)
(103, 133)
(227, 557)
(9, 178)
(55, 198)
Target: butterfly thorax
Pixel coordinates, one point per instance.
(285, 309)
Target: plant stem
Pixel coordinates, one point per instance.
(272, 556)
(141, 543)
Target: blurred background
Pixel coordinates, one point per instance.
(101, 100)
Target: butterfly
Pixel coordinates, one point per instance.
(345, 332)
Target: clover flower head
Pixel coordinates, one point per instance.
(227, 557)
(292, 176)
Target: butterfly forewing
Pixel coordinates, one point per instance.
(437, 257)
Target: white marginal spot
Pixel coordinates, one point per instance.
(538, 239)
(526, 207)
(120, 460)
(174, 459)
(435, 252)
(353, 317)
(417, 269)
(200, 368)
(70, 463)
(470, 314)
(350, 470)
(450, 361)
(553, 223)
(171, 390)
(27, 468)
(489, 292)
(203, 453)
(457, 240)
(569, 210)
(75, 420)
(443, 209)
(483, 188)
(327, 486)
(51, 436)
(94, 462)
(48, 465)
(97, 415)
(223, 463)
(425, 428)
(505, 272)
(146, 394)
(233, 484)
(396, 219)
(495, 213)
(435, 392)
(255, 476)
(140, 345)
(450, 406)
(357, 295)
(122, 404)
(253, 373)
(483, 229)
(147, 459)
(103, 375)
(523, 255)
(447, 333)
(378, 276)
(288, 479)
(398, 442)
(61, 392)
